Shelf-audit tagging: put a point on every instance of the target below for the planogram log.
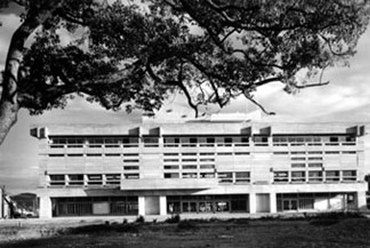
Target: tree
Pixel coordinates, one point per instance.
(136, 54)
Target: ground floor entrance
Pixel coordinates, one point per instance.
(164, 203)
(291, 202)
(207, 203)
(90, 206)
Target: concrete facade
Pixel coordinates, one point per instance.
(201, 167)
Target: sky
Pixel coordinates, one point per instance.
(346, 98)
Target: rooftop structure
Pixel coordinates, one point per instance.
(198, 167)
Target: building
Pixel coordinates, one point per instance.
(201, 166)
(6, 206)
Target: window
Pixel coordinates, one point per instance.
(112, 155)
(207, 160)
(93, 154)
(130, 141)
(170, 154)
(315, 152)
(75, 155)
(150, 141)
(189, 167)
(131, 160)
(315, 165)
(112, 145)
(349, 175)
(281, 153)
(113, 179)
(76, 179)
(332, 152)
(189, 175)
(332, 176)
(241, 153)
(298, 165)
(189, 160)
(224, 154)
(243, 177)
(298, 158)
(244, 141)
(131, 175)
(75, 146)
(295, 153)
(281, 177)
(315, 176)
(298, 176)
(207, 166)
(225, 177)
(315, 158)
(207, 175)
(131, 154)
(171, 175)
(188, 154)
(56, 155)
(206, 154)
(280, 141)
(112, 140)
(349, 152)
(131, 167)
(170, 160)
(57, 180)
(94, 145)
(95, 179)
(95, 140)
(210, 140)
(260, 140)
(171, 167)
(171, 142)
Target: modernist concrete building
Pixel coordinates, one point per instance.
(198, 167)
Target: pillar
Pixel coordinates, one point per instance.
(141, 202)
(45, 207)
(252, 203)
(162, 205)
(361, 200)
(273, 205)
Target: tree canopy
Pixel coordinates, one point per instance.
(136, 53)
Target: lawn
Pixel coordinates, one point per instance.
(324, 232)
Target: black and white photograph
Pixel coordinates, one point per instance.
(185, 123)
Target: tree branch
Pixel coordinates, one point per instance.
(250, 98)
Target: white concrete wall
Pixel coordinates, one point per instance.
(45, 207)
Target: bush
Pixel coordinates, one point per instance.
(173, 219)
(140, 219)
(98, 229)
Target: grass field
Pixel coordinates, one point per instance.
(319, 232)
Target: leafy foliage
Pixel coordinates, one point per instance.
(211, 50)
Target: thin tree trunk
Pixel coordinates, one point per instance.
(9, 103)
(8, 117)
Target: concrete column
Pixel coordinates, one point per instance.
(45, 207)
(361, 200)
(162, 205)
(252, 203)
(273, 206)
(141, 202)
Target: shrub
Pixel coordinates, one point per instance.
(173, 219)
(140, 219)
